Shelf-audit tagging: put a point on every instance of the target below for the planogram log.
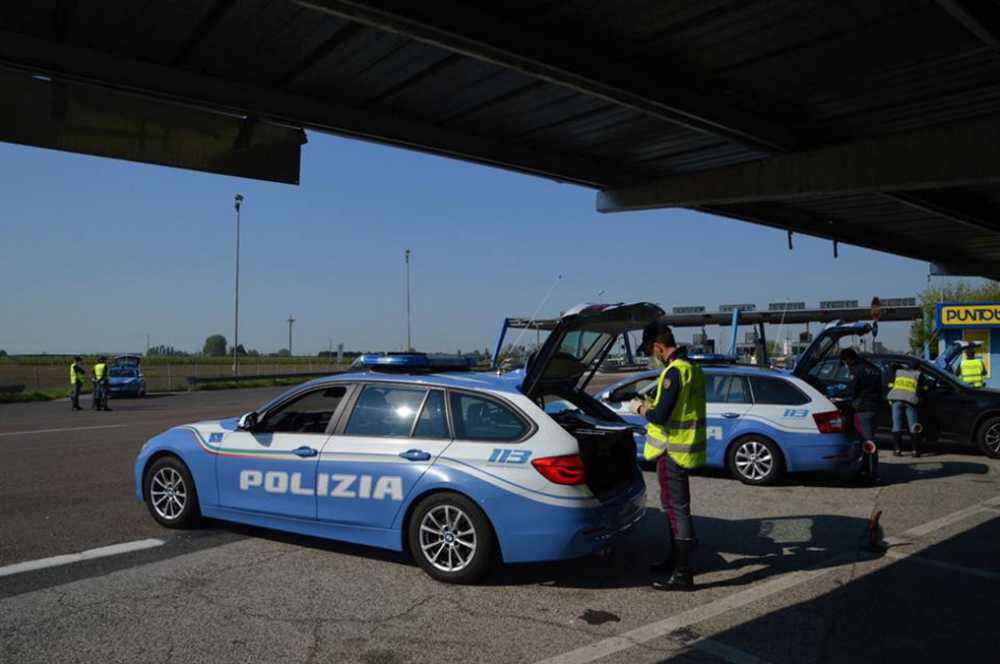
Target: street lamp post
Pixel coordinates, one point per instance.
(238, 201)
(409, 344)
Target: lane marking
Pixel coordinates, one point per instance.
(33, 431)
(951, 567)
(667, 626)
(89, 554)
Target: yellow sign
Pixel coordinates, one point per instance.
(969, 315)
(983, 351)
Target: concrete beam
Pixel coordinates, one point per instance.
(940, 157)
(461, 28)
(980, 17)
(77, 64)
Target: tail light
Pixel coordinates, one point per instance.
(562, 469)
(832, 422)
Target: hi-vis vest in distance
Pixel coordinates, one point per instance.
(683, 436)
(904, 387)
(100, 370)
(76, 374)
(974, 372)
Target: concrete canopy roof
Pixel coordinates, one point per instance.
(871, 123)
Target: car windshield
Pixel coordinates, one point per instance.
(118, 372)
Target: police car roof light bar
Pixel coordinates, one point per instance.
(414, 363)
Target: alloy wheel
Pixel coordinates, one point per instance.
(168, 493)
(991, 438)
(754, 461)
(448, 538)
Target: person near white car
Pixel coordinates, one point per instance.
(676, 424)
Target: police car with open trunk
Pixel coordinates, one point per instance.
(458, 468)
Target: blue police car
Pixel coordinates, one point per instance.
(413, 453)
(761, 423)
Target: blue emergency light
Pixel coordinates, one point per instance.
(414, 362)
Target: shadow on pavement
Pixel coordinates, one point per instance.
(908, 611)
(903, 471)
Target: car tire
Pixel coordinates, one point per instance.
(170, 493)
(451, 539)
(988, 437)
(755, 460)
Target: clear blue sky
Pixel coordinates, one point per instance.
(97, 253)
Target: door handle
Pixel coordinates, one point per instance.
(730, 416)
(304, 451)
(415, 455)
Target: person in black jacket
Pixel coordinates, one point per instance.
(865, 392)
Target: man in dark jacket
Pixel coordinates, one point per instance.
(865, 392)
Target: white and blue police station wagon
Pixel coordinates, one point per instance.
(762, 423)
(418, 453)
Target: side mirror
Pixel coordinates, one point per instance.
(247, 422)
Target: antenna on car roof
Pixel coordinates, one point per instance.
(537, 310)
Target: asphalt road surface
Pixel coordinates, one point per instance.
(783, 574)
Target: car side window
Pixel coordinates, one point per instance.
(433, 422)
(777, 392)
(724, 388)
(479, 418)
(309, 413)
(385, 411)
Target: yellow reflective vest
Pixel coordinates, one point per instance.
(904, 387)
(684, 435)
(974, 372)
(76, 374)
(100, 371)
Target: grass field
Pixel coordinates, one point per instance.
(50, 372)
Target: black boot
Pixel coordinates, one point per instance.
(897, 443)
(682, 578)
(915, 440)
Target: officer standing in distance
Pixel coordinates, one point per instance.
(101, 384)
(77, 376)
(903, 399)
(675, 425)
(973, 369)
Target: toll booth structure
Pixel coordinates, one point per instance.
(977, 323)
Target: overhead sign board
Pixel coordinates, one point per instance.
(741, 307)
(786, 306)
(688, 310)
(839, 304)
(968, 315)
(899, 302)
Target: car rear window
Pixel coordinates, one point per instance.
(478, 418)
(775, 391)
(385, 411)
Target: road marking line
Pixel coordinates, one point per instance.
(902, 555)
(28, 433)
(665, 627)
(90, 554)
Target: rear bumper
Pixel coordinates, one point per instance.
(839, 455)
(556, 533)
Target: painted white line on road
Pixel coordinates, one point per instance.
(90, 554)
(33, 431)
(667, 626)
(951, 567)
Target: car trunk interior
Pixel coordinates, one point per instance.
(605, 441)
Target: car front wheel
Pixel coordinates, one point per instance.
(451, 539)
(756, 460)
(989, 438)
(170, 493)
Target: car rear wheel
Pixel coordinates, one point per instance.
(170, 493)
(756, 460)
(989, 437)
(451, 539)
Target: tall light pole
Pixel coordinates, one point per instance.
(237, 202)
(409, 344)
(290, 321)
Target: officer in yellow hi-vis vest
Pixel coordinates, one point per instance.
(77, 376)
(101, 384)
(904, 396)
(973, 369)
(675, 437)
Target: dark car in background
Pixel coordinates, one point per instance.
(951, 412)
(125, 377)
